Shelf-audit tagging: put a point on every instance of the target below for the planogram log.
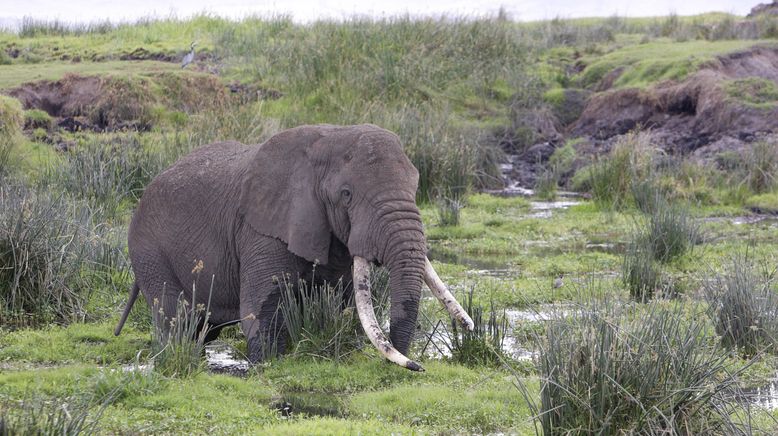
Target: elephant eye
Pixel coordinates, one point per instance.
(346, 195)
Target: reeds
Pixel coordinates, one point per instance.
(608, 368)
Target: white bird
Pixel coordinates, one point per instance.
(189, 56)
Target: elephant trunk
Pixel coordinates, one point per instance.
(364, 303)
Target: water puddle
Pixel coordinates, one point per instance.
(438, 342)
(293, 404)
(769, 220)
(544, 209)
(765, 397)
(495, 266)
(223, 359)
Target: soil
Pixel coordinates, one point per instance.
(109, 103)
(696, 116)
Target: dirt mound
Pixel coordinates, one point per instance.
(113, 102)
(735, 95)
(764, 8)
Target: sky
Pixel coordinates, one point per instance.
(81, 11)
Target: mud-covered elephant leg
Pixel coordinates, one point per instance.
(266, 269)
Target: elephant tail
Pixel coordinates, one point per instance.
(127, 308)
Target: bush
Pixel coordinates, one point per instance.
(51, 249)
(742, 305)
(606, 369)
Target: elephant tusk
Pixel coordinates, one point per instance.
(442, 293)
(364, 302)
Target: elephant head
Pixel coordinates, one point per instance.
(355, 183)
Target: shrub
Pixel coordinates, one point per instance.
(606, 369)
(321, 320)
(742, 305)
(50, 248)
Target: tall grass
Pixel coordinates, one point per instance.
(484, 344)
(49, 245)
(640, 272)
(178, 342)
(321, 320)
(67, 416)
(11, 122)
(612, 176)
(743, 306)
(106, 170)
(670, 232)
(610, 369)
(761, 166)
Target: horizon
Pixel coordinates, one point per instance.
(309, 11)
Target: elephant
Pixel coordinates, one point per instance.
(233, 218)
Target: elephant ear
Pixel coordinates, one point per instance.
(278, 194)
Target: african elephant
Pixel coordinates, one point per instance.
(325, 196)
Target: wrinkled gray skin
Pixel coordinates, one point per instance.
(252, 213)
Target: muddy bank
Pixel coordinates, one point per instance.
(727, 104)
(108, 103)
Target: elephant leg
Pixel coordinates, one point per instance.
(267, 268)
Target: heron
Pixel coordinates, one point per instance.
(189, 56)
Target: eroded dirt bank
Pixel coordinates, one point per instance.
(728, 103)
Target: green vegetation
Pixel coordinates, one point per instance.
(617, 369)
(741, 302)
(652, 62)
(756, 92)
(458, 92)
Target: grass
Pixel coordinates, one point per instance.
(605, 369)
(754, 91)
(458, 92)
(741, 305)
(178, 342)
(321, 320)
(652, 62)
(48, 243)
(10, 130)
(483, 346)
(16, 75)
